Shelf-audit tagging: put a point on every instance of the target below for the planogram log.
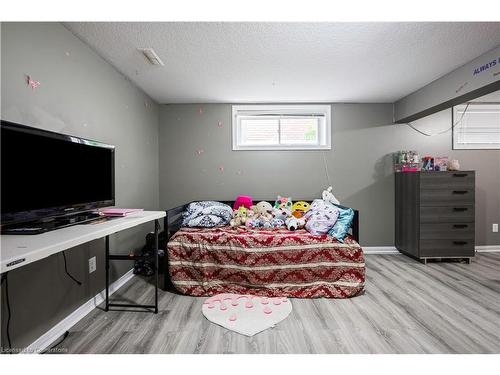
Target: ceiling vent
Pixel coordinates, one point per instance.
(151, 55)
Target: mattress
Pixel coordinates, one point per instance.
(274, 262)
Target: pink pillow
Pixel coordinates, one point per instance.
(243, 200)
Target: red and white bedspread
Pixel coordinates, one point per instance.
(274, 262)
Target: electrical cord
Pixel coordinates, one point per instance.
(7, 302)
(442, 131)
(325, 164)
(66, 269)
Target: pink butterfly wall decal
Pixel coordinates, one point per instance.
(32, 83)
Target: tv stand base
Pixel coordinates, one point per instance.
(50, 224)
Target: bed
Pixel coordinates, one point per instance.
(267, 262)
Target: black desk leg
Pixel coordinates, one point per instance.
(157, 264)
(120, 257)
(107, 273)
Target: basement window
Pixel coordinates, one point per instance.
(476, 126)
(281, 127)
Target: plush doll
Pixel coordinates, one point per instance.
(281, 213)
(243, 200)
(261, 215)
(263, 210)
(292, 223)
(252, 223)
(277, 223)
(283, 202)
(328, 196)
(300, 208)
(266, 224)
(453, 165)
(240, 216)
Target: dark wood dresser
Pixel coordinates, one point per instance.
(435, 214)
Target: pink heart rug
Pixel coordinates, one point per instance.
(246, 314)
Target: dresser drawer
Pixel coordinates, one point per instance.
(447, 180)
(454, 214)
(446, 248)
(446, 197)
(447, 231)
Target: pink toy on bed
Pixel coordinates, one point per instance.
(243, 200)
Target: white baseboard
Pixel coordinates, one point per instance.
(488, 249)
(58, 330)
(370, 250)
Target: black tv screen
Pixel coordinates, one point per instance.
(49, 174)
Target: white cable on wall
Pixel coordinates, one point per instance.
(442, 131)
(326, 169)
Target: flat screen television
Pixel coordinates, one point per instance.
(46, 174)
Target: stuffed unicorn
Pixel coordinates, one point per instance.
(328, 196)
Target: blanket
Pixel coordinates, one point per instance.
(207, 214)
(264, 262)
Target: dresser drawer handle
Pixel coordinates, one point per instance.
(460, 242)
(459, 174)
(459, 209)
(461, 192)
(460, 225)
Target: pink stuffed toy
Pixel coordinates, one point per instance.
(243, 200)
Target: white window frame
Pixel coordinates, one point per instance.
(324, 136)
(456, 123)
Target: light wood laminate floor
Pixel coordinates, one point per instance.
(407, 307)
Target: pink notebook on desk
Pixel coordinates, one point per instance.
(113, 211)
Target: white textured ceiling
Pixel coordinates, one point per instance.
(287, 62)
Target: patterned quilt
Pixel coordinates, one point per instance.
(274, 262)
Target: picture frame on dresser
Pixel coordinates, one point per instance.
(435, 214)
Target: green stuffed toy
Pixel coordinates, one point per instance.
(283, 202)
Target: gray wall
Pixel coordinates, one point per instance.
(83, 95)
(360, 164)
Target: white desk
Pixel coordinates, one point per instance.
(20, 250)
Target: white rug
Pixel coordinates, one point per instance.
(246, 314)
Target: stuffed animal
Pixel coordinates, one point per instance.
(263, 210)
(283, 202)
(328, 196)
(453, 165)
(277, 223)
(300, 208)
(263, 223)
(266, 224)
(252, 223)
(239, 217)
(281, 213)
(292, 223)
(243, 200)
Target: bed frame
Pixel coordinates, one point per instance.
(172, 223)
